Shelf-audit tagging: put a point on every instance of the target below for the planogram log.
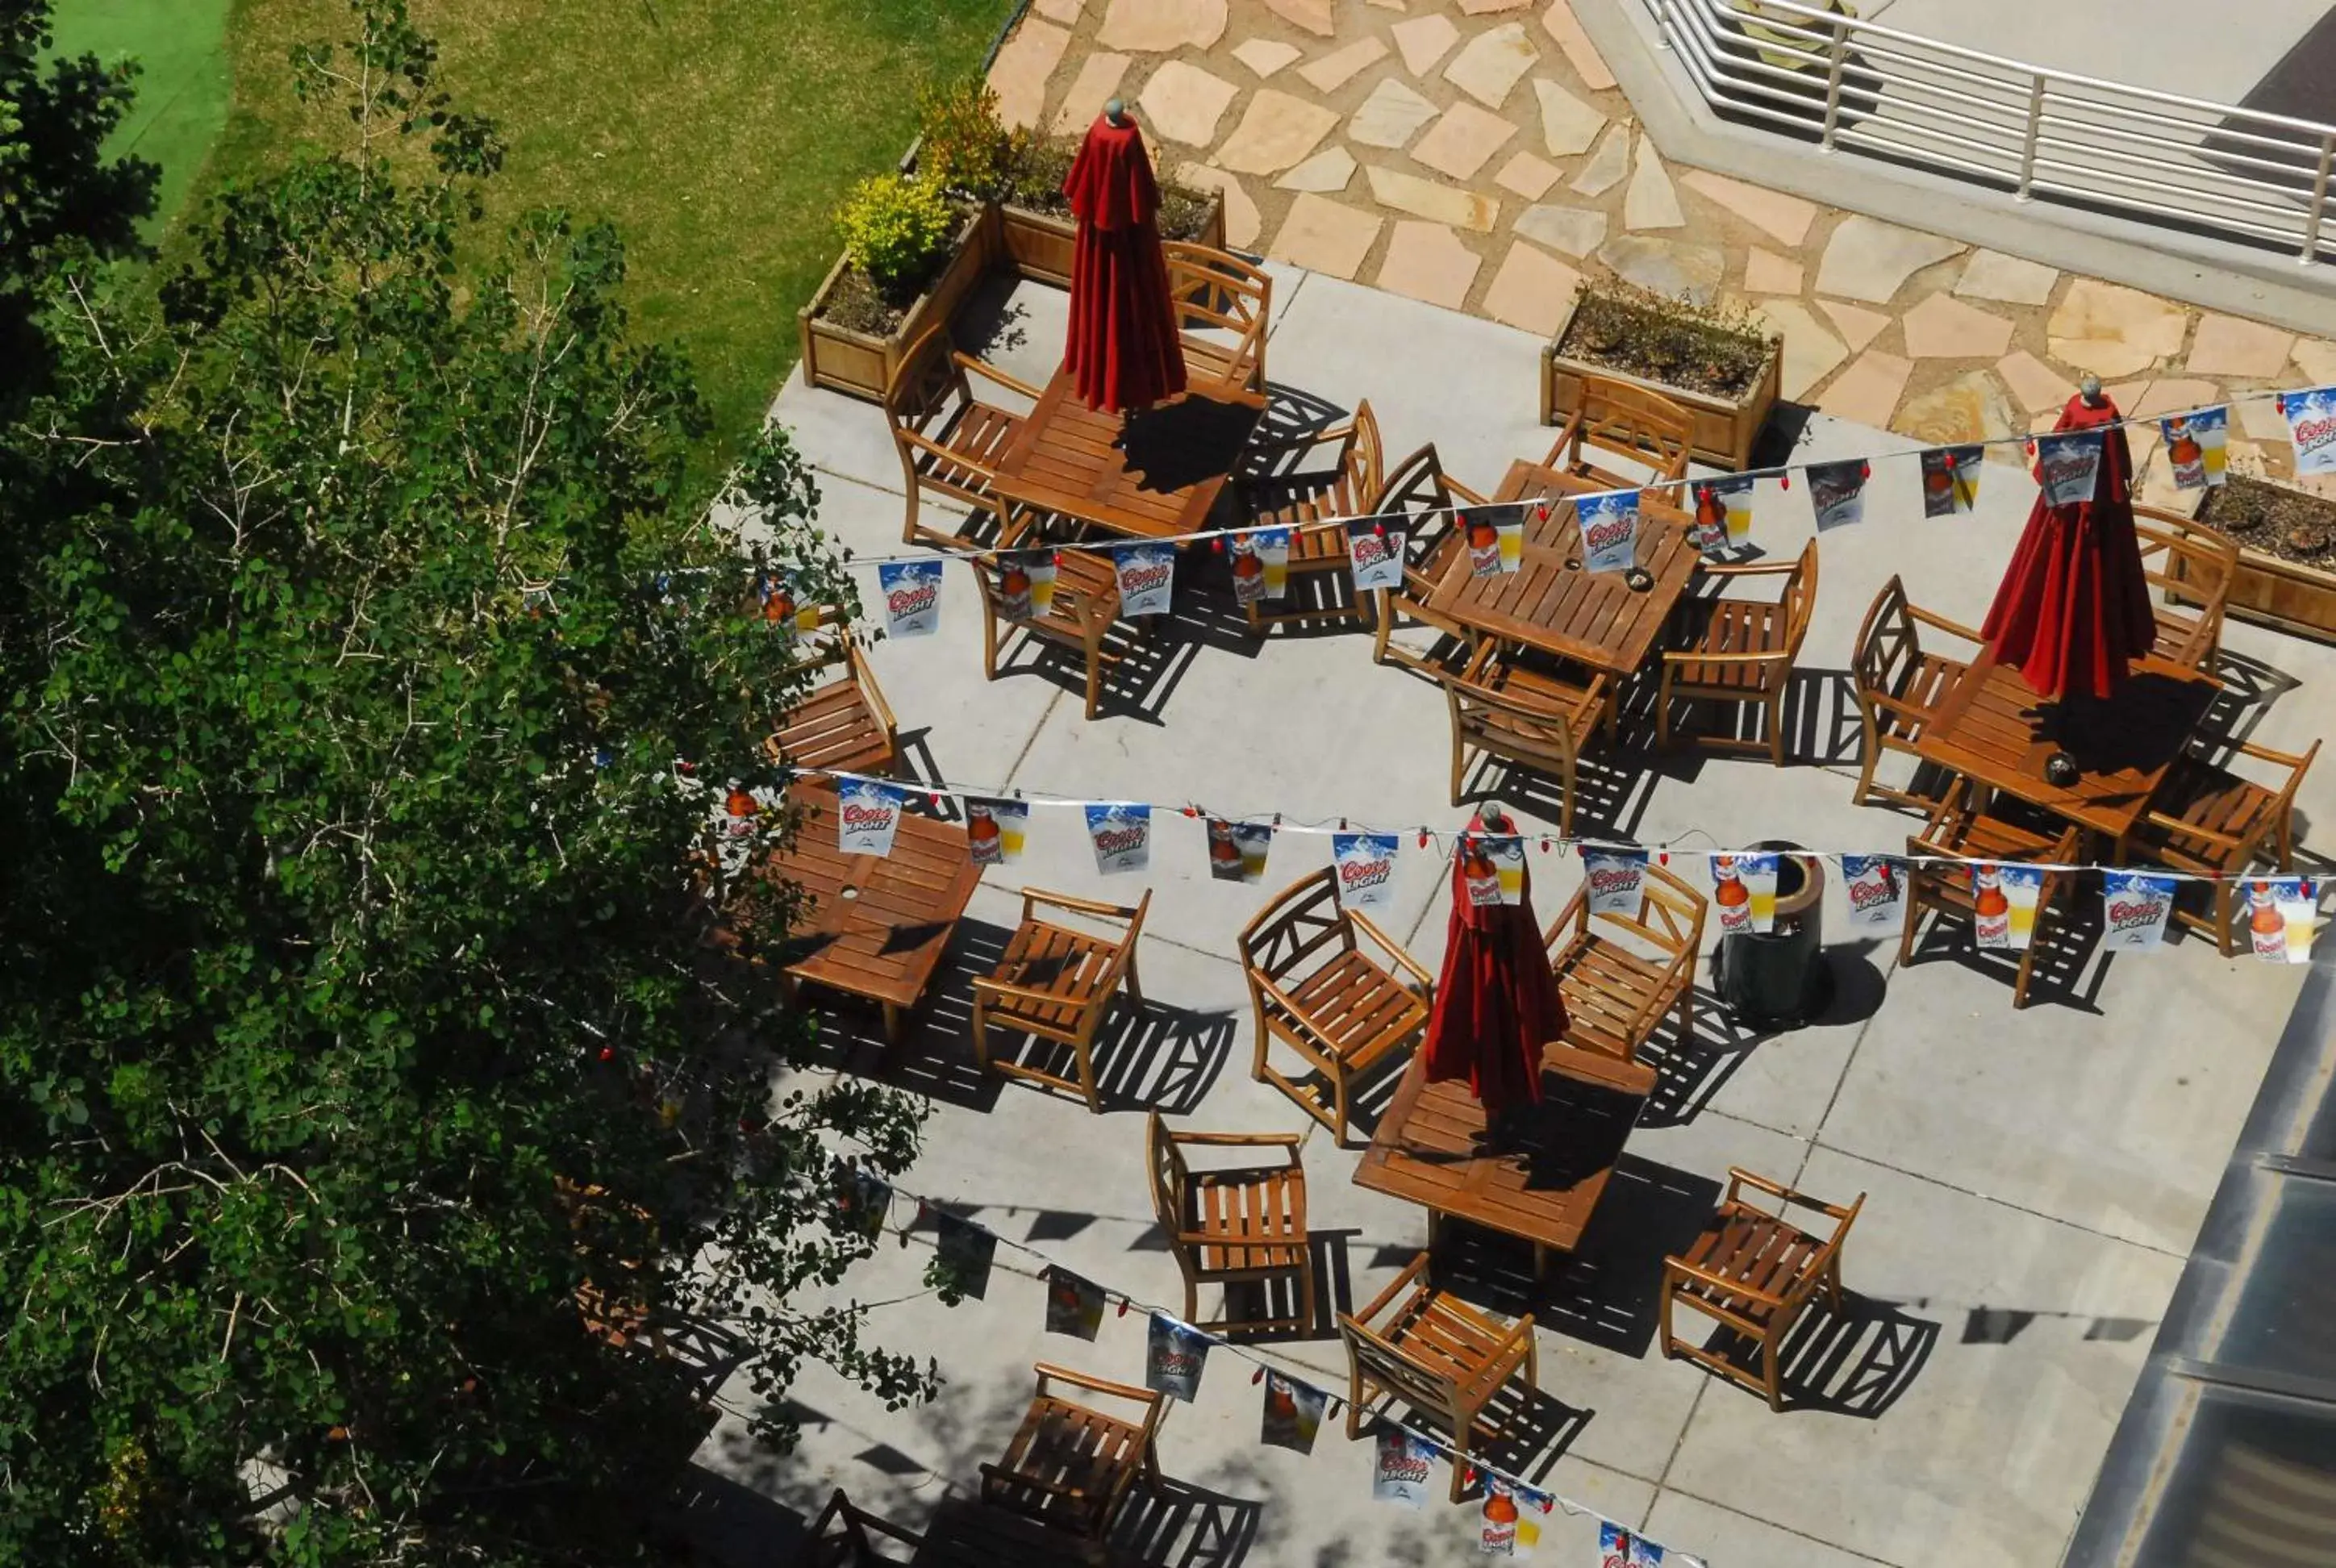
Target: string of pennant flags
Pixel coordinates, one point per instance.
(2281, 911)
(1176, 1355)
(2067, 464)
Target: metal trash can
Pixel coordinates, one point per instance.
(1778, 978)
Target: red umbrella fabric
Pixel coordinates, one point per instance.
(1122, 348)
(1496, 1003)
(2073, 611)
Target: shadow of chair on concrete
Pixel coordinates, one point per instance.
(1172, 1524)
(1857, 1361)
(1147, 1055)
(710, 1520)
(1607, 1291)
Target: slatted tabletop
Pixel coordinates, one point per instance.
(873, 927)
(1992, 728)
(1593, 617)
(1148, 476)
(1426, 1150)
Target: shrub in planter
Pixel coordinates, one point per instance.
(910, 255)
(1715, 359)
(961, 145)
(897, 230)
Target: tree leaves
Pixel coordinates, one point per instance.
(364, 1070)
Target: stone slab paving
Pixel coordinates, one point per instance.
(1496, 104)
(2032, 1178)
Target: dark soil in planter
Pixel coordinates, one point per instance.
(1038, 188)
(1711, 349)
(857, 305)
(2290, 524)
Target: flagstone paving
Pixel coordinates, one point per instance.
(1497, 121)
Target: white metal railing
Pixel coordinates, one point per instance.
(2210, 168)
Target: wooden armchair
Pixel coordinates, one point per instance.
(1627, 421)
(1900, 683)
(1436, 1353)
(1426, 495)
(2206, 819)
(949, 439)
(1085, 610)
(1216, 290)
(1228, 1227)
(1959, 831)
(2186, 565)
(1753, 1270)
(1320, 994)
(1619, 976)
(1502, 708)
(1069, 1464)
(843, 1536)
(1299, 502)
(1056, 983)
(1743, 650)
(842, 722)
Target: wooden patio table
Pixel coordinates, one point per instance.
(875, 927)
(1428, 1149)
(1995, 731)
(1592, 618)
(1151, 475)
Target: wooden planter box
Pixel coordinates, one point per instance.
(845, 361)
(2284, 595)
(1040, 245)
(1724, 431)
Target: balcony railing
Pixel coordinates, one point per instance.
(2210, 169)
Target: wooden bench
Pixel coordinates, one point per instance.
(1215, 290)
(2186, 565)
(1438, 1353)
(1318, 992)
(1753, 1270)
(1620, 975)
(1899, 683)
(1743, 650)
(1233, 1226)
(1069, 1464)
(1625, 420)
(842, 722)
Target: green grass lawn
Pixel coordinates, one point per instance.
(182, 88)
(716, 135)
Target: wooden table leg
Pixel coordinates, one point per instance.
(896, 1019)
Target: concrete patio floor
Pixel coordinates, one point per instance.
(2033, 1179)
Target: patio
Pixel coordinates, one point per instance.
(2034, 1180)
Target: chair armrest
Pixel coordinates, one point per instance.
(871, 691)
(1952, 628)
(910, 438)
(2264, 753)
(982, 367)
(1037, 1483)
(1239, 1140)
(1690, 656)
(1465, 494)
(1048, 1370)
(1390, 946)
(984, 986)
(2223, 841)
(1898, 706)
(1738, 1177)
(1752, 567)
(1404, 1277)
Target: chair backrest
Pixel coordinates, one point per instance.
(1503, 722)
(2175, 554)
(1800, 600)
(1636, 422)
(1170, 1179)
(923, 385)
(1415, 1384)
(1365, 466)
(1889, 645)
(1302, 919)
(1417, 485)
(1215, 288)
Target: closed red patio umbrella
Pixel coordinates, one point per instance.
(1496, 1002)
(1122, 346)
(2073, 612)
